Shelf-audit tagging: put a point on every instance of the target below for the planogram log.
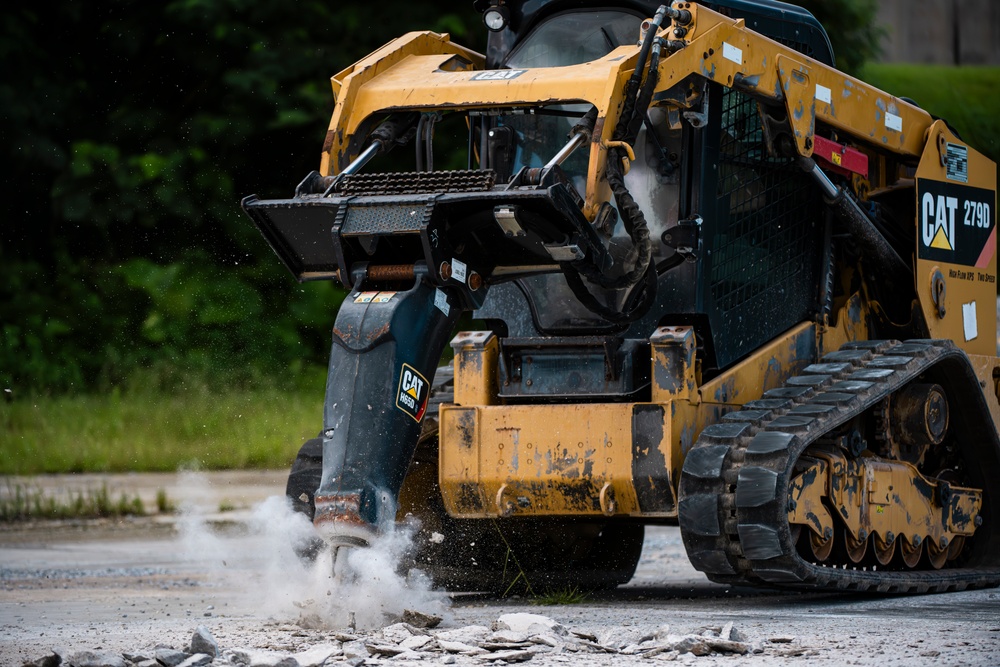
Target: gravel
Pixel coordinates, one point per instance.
(156, 602)
(512, 638)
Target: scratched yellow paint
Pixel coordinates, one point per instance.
(964, 285)
(873, 495)
(540, 460)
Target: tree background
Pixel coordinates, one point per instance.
(132, 129)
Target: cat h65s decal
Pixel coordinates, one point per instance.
(413, 391)
(957, 223)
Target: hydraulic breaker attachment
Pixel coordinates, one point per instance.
(386, 346)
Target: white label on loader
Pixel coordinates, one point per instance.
(894, 122)
(969, 320)
(441, 302)
(823, 94)
(730, 52)
(458, 270)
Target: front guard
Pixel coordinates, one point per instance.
(386, 347)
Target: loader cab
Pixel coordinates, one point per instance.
(754, 219)
(786, 23)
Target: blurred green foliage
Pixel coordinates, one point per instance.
(850, 24)
(132, 130)
(964, 96)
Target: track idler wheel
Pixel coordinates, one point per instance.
(911, 550)
(856, 548)
(936, 554)
(956, 546)
(884, 549)
(918, 418)
(821, 547)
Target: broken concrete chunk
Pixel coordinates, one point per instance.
(529, 624)
(170, 657)
(661, 633)
(420, 620)
(459, 647)
(385, 649)
(727, 646)
(415, 642)
(507, 656)
(593, 647)
(355, 649)
(203, 642)
(470, 634)
(409, 655)
(96, 659)
(197, 660)
(504, 646)
(51, 660)
(546, 639)
(692, 644)
(311, 622)
(622, 637)
(727, 631)
(507, 637)
(268, 659)
(317, 655)
(396, 632)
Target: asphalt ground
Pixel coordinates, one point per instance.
(136, 583)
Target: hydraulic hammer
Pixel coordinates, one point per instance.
(386, 347)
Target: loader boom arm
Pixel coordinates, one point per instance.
(425, 71)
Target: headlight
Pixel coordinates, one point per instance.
(496, 18)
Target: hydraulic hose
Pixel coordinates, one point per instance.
(638, 95)
(632, 216)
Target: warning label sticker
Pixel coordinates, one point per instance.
(374, 297)
(956, 160)
(413, 391)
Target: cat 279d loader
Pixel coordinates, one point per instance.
(707, 279)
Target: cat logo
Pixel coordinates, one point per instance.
(411, 397)
(498, 75)
(955, 223)
(937, 221)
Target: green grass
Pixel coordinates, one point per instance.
(964, 96)
(153, 432)
(22, 503)
(560, 597)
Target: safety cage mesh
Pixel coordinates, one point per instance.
(764, 260)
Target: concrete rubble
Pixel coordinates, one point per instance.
(512, 638)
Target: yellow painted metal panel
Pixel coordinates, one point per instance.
(767, 368)
(538, 459)
(476, 355)
(953, 212)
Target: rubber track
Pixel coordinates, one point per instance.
(734, 484)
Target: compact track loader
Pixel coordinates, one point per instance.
(706, 279)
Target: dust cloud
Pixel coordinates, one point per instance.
(374, 591)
